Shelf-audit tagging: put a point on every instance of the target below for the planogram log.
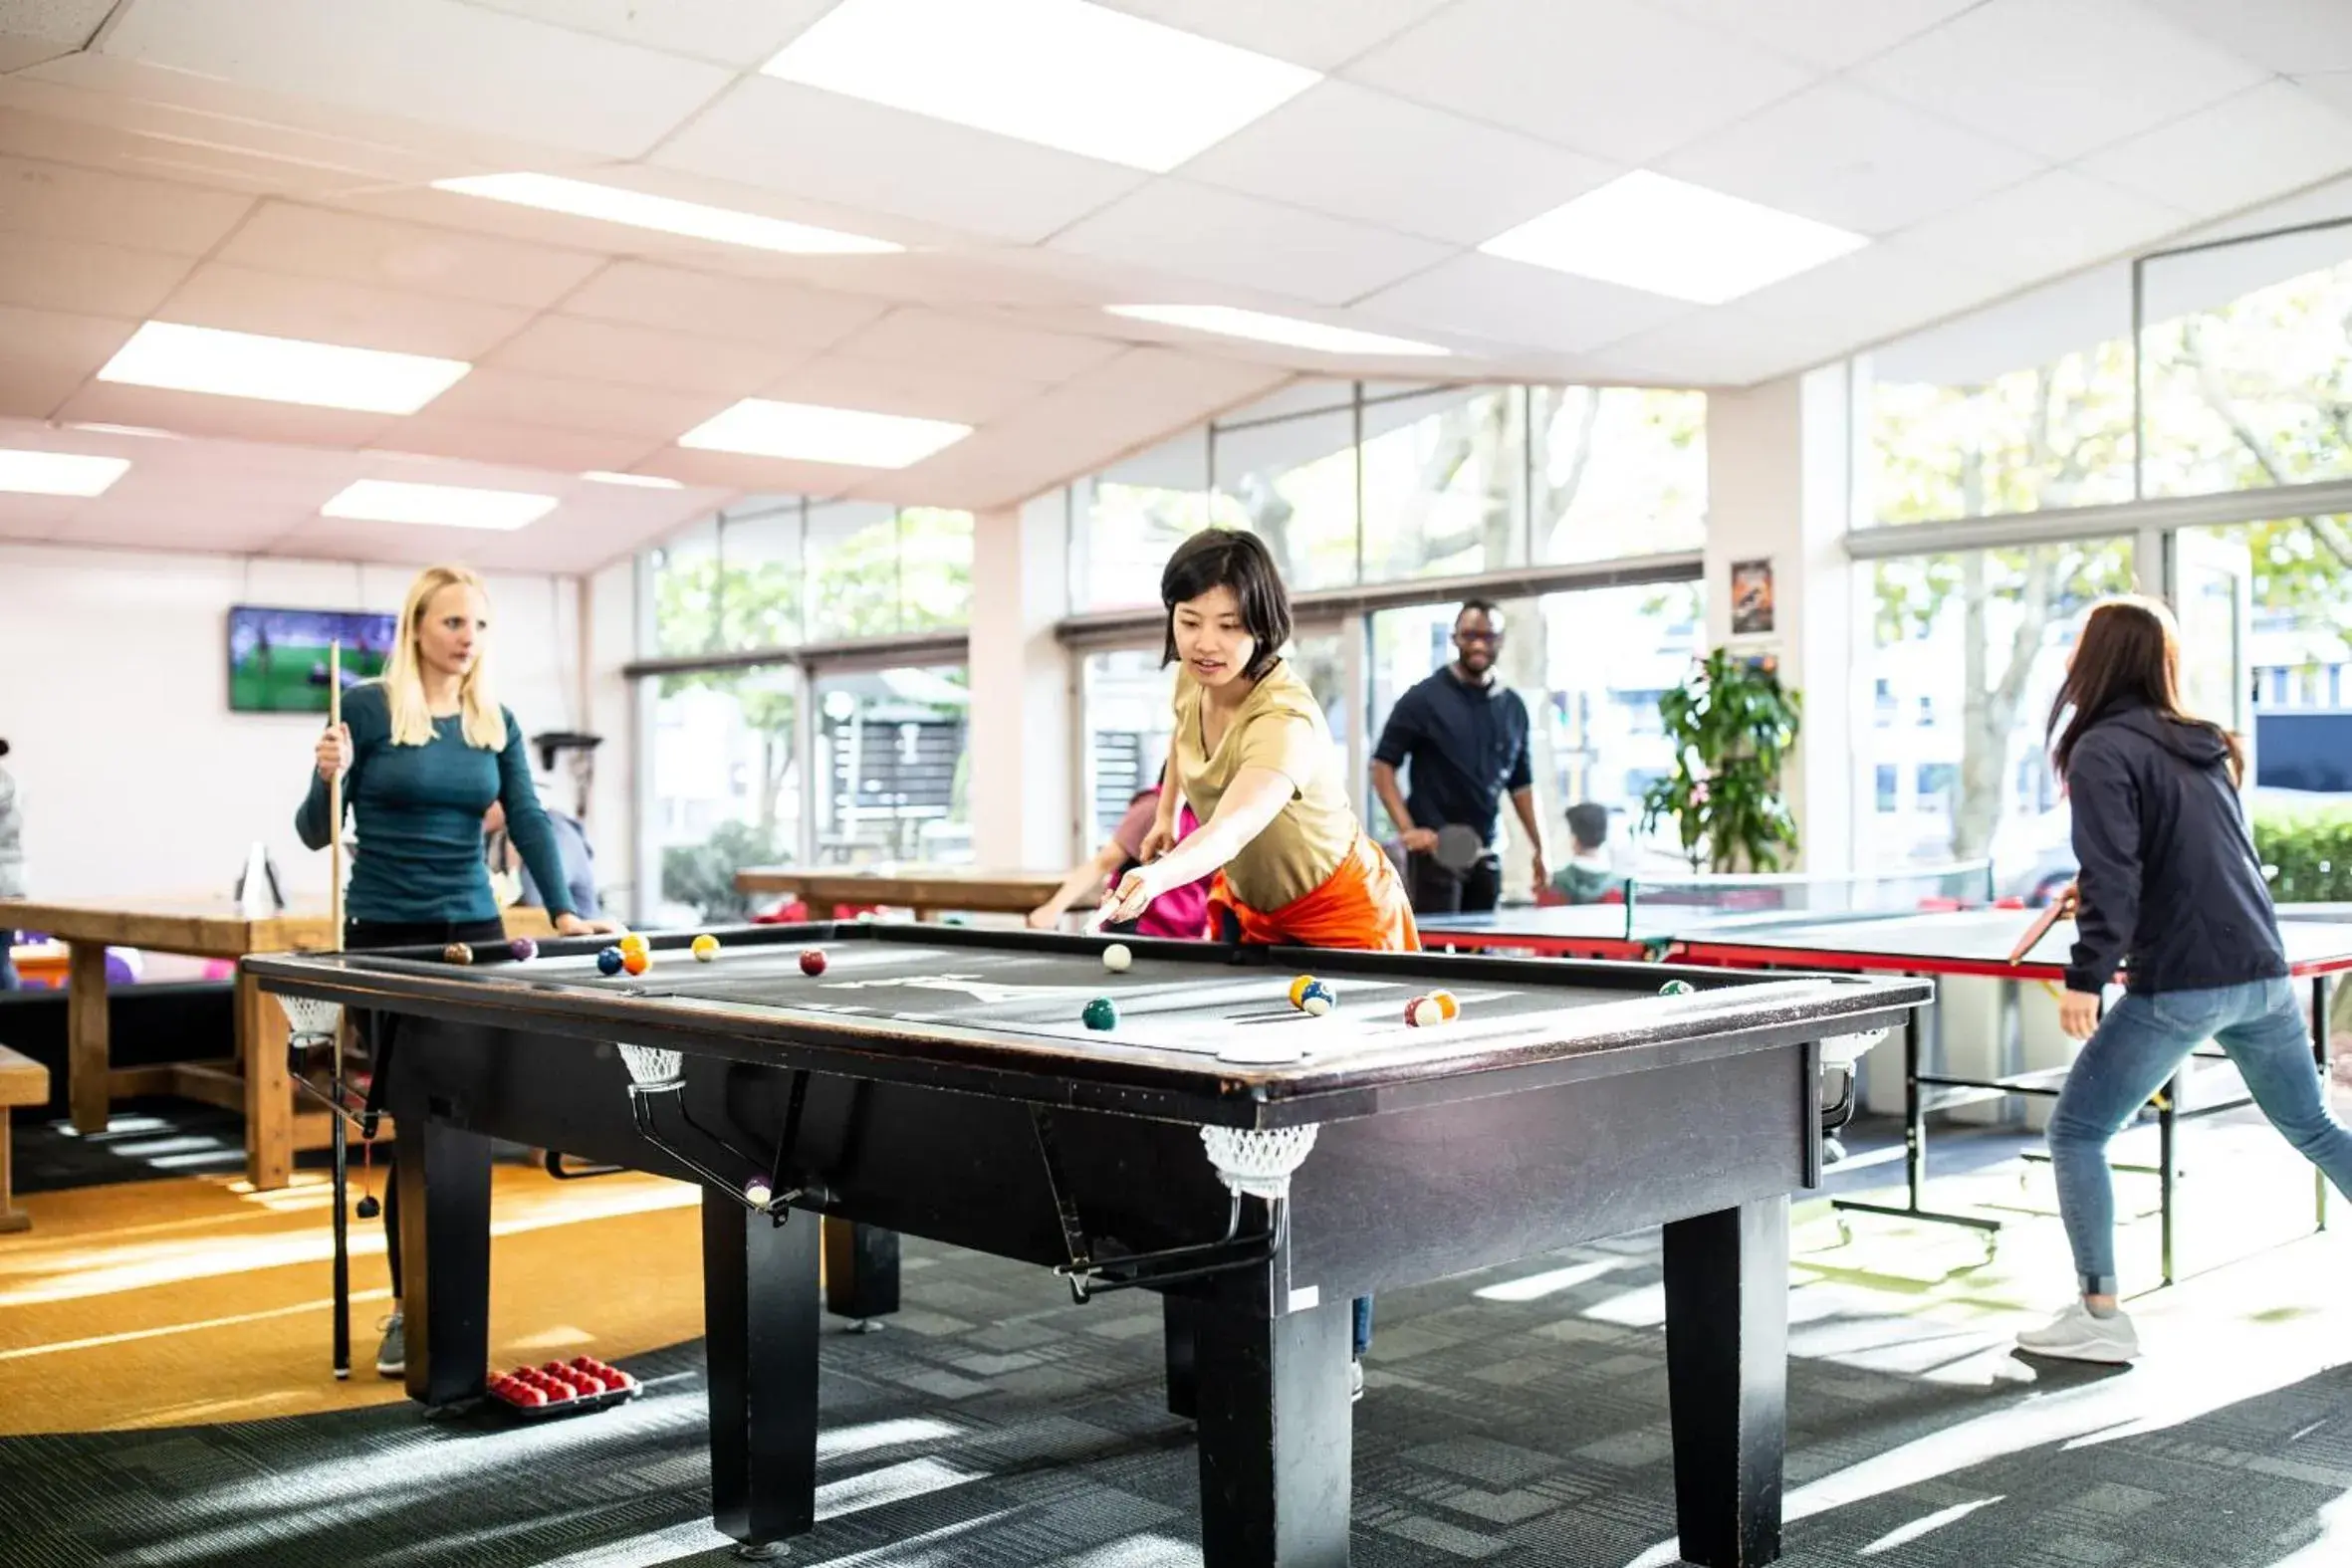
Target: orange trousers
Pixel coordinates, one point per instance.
(1361, 905)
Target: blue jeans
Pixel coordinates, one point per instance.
(2138, 1047)
(1363, 1326)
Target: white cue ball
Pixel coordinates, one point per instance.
(1427, 1013)
(1116, 958)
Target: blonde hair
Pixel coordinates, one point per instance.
(404, 673)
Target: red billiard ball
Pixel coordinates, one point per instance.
(530, 1396)
(813, 961)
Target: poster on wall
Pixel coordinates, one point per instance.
(1751, 597)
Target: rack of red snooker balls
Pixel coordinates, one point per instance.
(562, 1387)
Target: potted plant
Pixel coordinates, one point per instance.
(1732, 724)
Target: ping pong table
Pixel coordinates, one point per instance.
(1928, 944)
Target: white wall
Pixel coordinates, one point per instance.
(137, 780)
(1023, 810)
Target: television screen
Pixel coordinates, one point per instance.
(278, 657)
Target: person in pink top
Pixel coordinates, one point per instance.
(1181, 912)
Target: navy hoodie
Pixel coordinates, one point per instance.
(2171, 888)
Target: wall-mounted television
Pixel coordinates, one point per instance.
(278, 657)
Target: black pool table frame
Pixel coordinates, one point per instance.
(1700, 1113)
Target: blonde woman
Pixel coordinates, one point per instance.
(424, 753)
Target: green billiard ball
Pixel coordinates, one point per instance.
(1675, 987)
(1102, 1014)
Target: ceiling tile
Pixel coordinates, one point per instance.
(740, 34)
(25, 517)
(97, 128)
(918, 392)
(2333, 88)
(430, 59)
(1320, 33)
(312, 242)
(51, 353)
(915, 335)
(1514, 302)
(1349, 151)
(238, 418)
(20, 54)
(817, 145)
(1831, 33)
(2059, 77)
(60, 202)
(501, 396)
(775, 315)
(1608, 78)
(85, 279)
(244, 300)
(568, 346)
(2276, 138)
(2050, 224)
(526, 446)
(1200, 232)
(2288, 36)
(1847, 157)
(770, 476)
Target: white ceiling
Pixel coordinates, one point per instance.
(265, 166)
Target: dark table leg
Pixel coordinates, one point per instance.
(1182, 1314)
(760, 1321)
(861, 1272)
(1275, 1432)
(444, 1179)
(1727, 1364)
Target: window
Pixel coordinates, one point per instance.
(1129, 728)
(1128, 521)
(1444, 483)
(1885, 777)
(874, 570)
(777, 572)
(892, 765)
(1618, 470)
(2297, 602)
(2002, 620)
(728, 784)
(2245, 372)
(1882, 702)
(1291, 482)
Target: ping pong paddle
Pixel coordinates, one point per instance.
(1457, 847)
(2061, 908)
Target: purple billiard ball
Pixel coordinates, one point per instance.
(523, 948)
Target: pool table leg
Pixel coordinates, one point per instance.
(1181, 1317)
(1275, 1432)
(444, 1179)
(861, 1272)
(760, 1324)
(1726, 1369)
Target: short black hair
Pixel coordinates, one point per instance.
(1223, 557)
(1486, 607)
(1589, 822)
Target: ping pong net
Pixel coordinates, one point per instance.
(1668, 906)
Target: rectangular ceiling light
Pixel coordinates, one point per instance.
(578, 198)
(441, 506)
(1661, 236)
(1061, 73)
(59, 473)
(1259, 326)
(280, 369)
(813, 435)
(639, 481)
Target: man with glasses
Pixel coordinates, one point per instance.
(1465, 737)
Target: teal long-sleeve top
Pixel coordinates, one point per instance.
(418, 810)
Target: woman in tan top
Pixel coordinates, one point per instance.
(1256, 764)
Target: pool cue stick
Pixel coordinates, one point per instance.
(340, 1153)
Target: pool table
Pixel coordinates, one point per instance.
(1256, 1165)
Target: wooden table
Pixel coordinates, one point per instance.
(925, 889)
(253, 1080)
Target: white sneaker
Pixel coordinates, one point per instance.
(1355, 1381)
(2075, 1335)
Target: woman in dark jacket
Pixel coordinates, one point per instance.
(2170, 892)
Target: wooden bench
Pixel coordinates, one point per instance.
(23, 1082)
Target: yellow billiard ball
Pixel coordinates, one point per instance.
(1298, 990)
(631, 942)
(706, 946)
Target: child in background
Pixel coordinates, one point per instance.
(1591, 876)
(1181, 912)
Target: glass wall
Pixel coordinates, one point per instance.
(1124, 698)
(1367, 482)
(894, 766)
(779, 572)
(2297, 653)
(1968, 653)
(729, 786)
